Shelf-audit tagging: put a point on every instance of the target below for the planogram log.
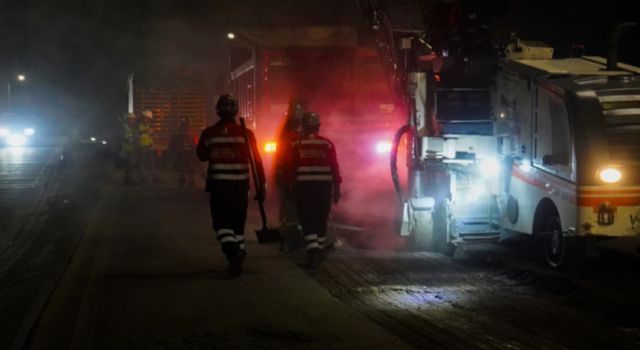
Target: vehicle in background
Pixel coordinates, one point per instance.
(17, 130)
(327, 70)
(505, 139)
(570, 131)
(171, 96)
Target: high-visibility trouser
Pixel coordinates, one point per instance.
(313, 203)
(228, 202)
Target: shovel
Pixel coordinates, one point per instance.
(265, 234)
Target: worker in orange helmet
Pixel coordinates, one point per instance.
(316, 179)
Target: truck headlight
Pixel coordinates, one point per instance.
(610, 175)
(16, 140)
(29, 131)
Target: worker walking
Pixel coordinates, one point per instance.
(316, 182)
(145, 137)
(181, 152)
(223, 146)
(287, 215)
(129, 147)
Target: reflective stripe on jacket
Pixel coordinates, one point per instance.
(315, 160)
(224, 146)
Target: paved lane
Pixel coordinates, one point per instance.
(43, 206)
(24, 178)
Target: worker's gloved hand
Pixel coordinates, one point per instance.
(260, 194)
(336, 194)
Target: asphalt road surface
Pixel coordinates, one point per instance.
(103, 266)
(43, 200)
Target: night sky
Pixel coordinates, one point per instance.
(77, 53)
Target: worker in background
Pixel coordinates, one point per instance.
(316, 183)
(145, 135)
(129, 147)
(223, 146)
(182, 152)
(287, 216)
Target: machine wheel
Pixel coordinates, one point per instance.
(555, 243)
(561, 251)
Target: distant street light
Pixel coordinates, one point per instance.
(231, 36)
(19, 77)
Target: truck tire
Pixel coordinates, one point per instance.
(561, 251)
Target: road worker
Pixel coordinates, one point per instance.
(145, 137)
(181, 153)
(223, 146)
(287, 216)
(129, 147)
(316, 183)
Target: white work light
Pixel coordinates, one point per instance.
(610, 175)
(489, 167)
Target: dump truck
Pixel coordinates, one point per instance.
(333, 74)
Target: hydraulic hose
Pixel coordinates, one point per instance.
(393, 161)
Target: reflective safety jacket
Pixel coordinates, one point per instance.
(314, 159)
(128, 139)
(223, 145)
(145, 132)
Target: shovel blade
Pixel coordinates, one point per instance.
(267, 235)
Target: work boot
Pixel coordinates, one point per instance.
(323, 253)
(313, 258)
(235, 264)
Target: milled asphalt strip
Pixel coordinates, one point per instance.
(50, 187)
(30, 225)
(48, 289)
(30, 326)
(73, 300)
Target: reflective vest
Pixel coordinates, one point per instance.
(145, 132)
(224, 146)
(315, 159)
(128, 139)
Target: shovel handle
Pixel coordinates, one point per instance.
(252, 163)
(263, 215)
